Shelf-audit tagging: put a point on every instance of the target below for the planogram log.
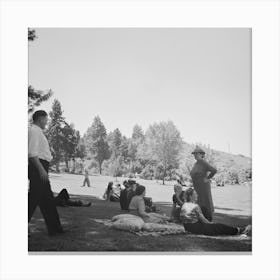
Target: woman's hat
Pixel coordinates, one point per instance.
(198, 150)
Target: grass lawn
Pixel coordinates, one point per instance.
(232, 203)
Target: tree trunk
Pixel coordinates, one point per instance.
(100, 168)
(164, 173)
(66, 164)
(74, 166)
(57, 167)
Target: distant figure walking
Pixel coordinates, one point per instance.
(39, 156)
(201, 174)
(86, 180)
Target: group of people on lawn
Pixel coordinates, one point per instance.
(192, 207)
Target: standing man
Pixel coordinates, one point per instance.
(39, 156)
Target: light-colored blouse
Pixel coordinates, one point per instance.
(190, 213)
(137, 204)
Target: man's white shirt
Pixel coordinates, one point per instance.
(38, 145)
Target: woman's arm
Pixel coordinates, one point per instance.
(141, 208)
(203, 219)
(180, 202)
(201, 216)
(210, 168)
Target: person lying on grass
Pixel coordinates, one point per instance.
(195, 222)
(63, 199)
(137, 207)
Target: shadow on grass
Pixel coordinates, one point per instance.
(227, 209)
(86, 235)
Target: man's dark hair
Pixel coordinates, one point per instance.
(38, 114)
(189, 193)
(131, 182)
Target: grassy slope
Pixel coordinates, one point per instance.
(222, 159)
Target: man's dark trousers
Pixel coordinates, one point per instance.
(40, 194)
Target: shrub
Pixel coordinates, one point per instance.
(147, 173)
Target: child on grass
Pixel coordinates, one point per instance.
(178, 201)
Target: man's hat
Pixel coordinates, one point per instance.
(129, 181)
(198, 150)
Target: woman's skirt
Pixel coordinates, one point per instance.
(211, 229)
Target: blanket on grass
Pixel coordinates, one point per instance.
(149, 229)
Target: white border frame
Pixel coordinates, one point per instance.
(261, 16)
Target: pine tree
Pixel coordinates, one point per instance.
(71, 138)
(138, 134)
(55, 133)
(81, 148)
(36, 97)
(96, 142)
(115, 143)
(134, 144)
(31, 34)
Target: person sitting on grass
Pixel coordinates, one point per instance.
(178, 201)
(127, 193)
(131, 191)
(137, 207)
(123, 196)
(63, 199)
(195, 222)
(149, 206)
(110, 194)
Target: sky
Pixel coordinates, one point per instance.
(199, 78)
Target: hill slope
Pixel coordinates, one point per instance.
(231, 168)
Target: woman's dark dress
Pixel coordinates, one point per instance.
(199, 173)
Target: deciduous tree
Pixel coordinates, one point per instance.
(163, 144)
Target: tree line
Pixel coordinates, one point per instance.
(153, 154)
(157, 153)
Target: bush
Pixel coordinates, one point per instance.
(147, 173)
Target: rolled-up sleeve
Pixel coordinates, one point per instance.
(33, 143)
(141, 207)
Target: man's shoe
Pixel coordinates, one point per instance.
(87, 204)
(248, 230)
(58, 232)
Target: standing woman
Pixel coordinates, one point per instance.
(201, 174)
